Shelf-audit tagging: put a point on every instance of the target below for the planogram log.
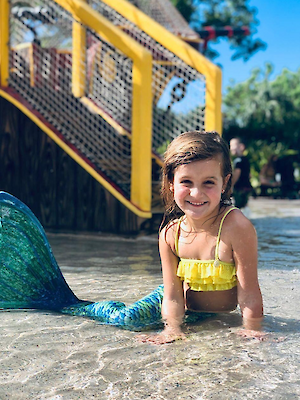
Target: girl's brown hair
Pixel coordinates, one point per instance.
(189, 147)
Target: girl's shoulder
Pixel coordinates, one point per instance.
(168, 232)
(235, 222)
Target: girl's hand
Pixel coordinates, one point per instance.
(251, 334)
(168, 335)
(260, 336)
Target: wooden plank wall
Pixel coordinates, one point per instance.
(61, 194)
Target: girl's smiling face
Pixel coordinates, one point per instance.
(197, 187)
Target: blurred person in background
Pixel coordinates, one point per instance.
(267, 175)
(242, 188)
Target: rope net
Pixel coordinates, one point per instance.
(41, 72)
(163, 12)
(178, 89)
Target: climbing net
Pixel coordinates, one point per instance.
(163, 12)
(178, 89)
(41, 72)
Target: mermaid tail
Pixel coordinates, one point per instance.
(29, 274)
(31, 279)
(143, 314)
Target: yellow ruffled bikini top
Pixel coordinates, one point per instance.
(208, 275)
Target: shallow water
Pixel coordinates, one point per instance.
(50, 356)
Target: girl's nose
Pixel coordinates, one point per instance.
(196, 191)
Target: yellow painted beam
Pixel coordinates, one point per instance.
(4, 41)
(75, 156)
(213, 102)
(78, 59)
(141, 143)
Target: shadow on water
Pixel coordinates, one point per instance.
(271, 324)
(281, 324)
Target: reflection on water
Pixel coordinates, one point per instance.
(50, 356)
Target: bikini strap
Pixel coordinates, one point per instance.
(177, 235)
(219, 233)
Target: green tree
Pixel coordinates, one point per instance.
(186, 8)
(266, 112)
(260, 108)
(221, 13)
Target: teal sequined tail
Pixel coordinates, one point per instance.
(29, 274)
(31, 278)
(144, 313)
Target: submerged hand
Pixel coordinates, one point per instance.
(251, 334)
(261, 336)
(166, 336)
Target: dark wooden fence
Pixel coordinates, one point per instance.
(62, 194)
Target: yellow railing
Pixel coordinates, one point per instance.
(142, 78)
(78, 59)
(4, 41)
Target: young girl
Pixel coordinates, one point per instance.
(208, 248)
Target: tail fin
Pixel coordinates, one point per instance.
(29, 274)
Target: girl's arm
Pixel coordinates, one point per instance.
(173, 300)
(244, 244)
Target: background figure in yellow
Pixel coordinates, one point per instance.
(241, 184)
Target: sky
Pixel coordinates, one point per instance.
(280, 28)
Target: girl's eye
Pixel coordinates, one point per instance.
(186, 182)
(209, 182)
